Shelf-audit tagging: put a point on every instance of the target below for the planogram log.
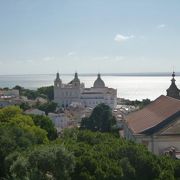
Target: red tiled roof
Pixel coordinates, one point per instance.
(153, 114)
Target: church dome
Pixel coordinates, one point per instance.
(99, 83)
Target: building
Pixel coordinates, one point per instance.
(4, 103)
(157, 125)
(35, 112)
(10, 93)
(75, 92)
(173, 90)
(60, 121)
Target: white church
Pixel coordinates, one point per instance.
(75, 92)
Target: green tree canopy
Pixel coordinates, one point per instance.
(48, 107)
(26, 153)
(45, 123)
(43, 162)
(17, 133)
(48, 91)
(101, 119)
(106, 156)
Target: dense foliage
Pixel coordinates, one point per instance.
(48, 107)
(41, 163)
(106, 156)
(48, 91)
(44, 92)
(17, 133)
(138, 103)
(27, 153)
(45, 123)
(101, 119)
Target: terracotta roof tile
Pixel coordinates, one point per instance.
(153, 114)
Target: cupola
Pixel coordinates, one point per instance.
(57, 81)
(99, 83)
(173, 90)
(75, 82)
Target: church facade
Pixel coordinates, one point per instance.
(75, 92)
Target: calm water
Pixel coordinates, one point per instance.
(130, 87)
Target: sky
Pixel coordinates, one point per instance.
(89, 36)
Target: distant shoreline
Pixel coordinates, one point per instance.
(129, 86)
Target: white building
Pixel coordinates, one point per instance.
(60, 121)
(35, 112)
(10, 93)
(75, 92)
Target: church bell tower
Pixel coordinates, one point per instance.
(173, 90)
(57, 82)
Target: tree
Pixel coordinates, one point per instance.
(25, 106)
(44, 92)
(140, 104)
(43, 162)
(17, 133)
(8, 112)
(19, 168)
(106, 156)
(177, 169)
(26, 153)
(101, 119)
(20, 88)
(47, 91)
(48, 107)
(30, 94)
(45, 123)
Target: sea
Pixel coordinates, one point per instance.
(129, 86)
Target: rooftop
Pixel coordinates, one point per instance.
(157, 112)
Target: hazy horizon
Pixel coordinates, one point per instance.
(103, 74)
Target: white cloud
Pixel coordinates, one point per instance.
(22, 61)
(108, 58)
(142, 37)
(119, 58)
(72, 53)
(29, 61)
(48, 58)
(160, 26)
(121, 38)
(101, 58)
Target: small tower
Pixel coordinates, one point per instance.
(57, 81)
(173, 90)
(76, 81)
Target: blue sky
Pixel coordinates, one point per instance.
(89, 36)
